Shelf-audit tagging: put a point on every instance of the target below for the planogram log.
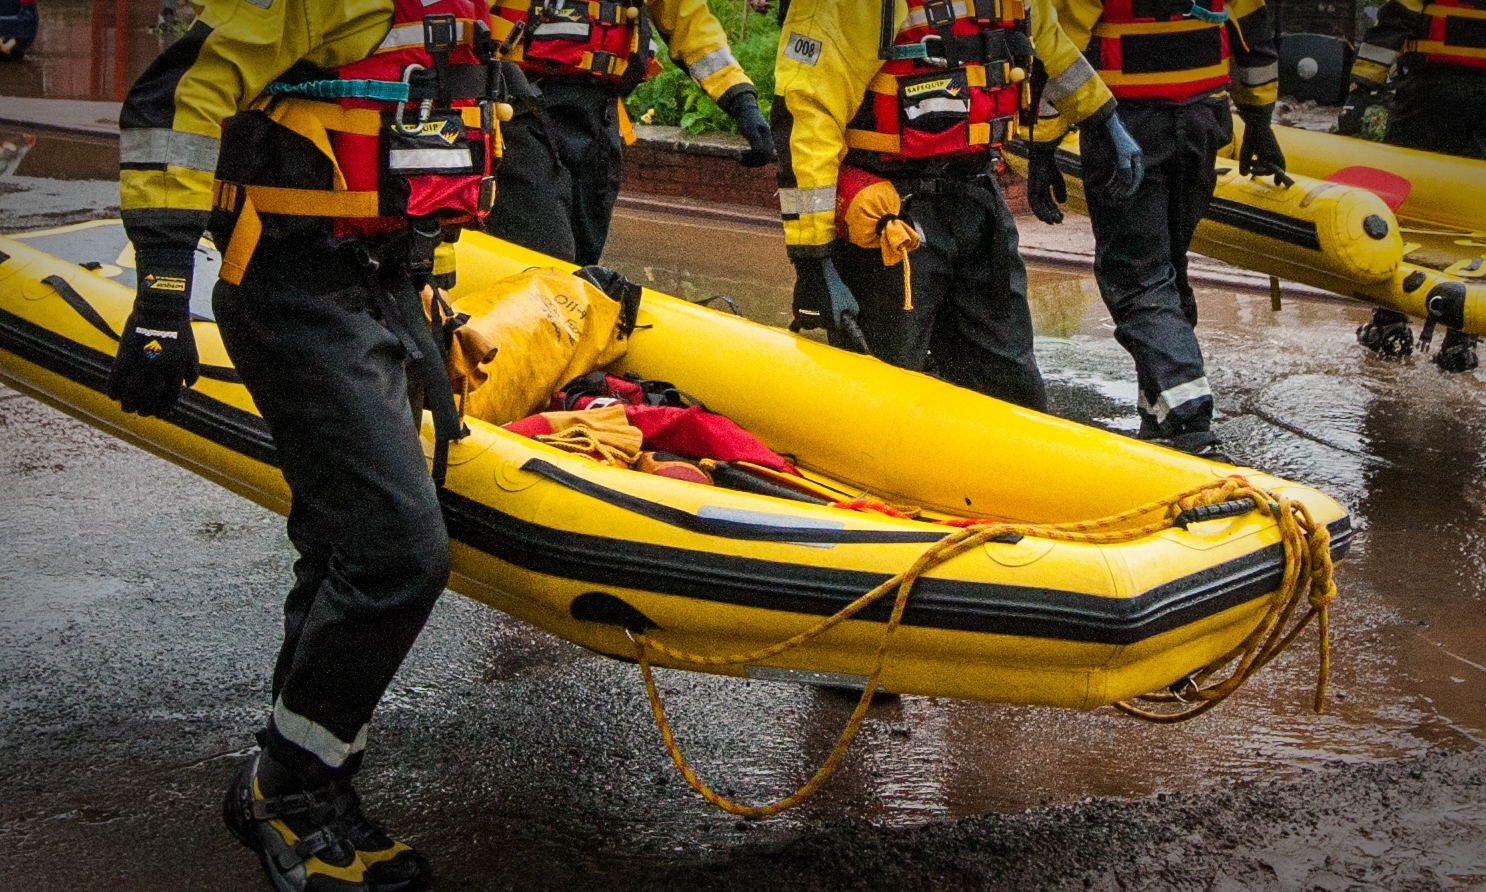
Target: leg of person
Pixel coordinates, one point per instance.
(982, 335)
(356, 472)
(534, 189)
(895, 335)
(596, 188)
(1133, 265)
(585, 127)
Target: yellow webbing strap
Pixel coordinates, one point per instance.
(1110, 29)
(314, 121)
(313, 202)
(1306, 583)
(626, 126)
(1446, 12)
(1449, 49)
(1156, 78)
(872, 141)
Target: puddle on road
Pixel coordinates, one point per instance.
(1401, 445)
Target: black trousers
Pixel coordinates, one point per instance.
(559, 179)
(970, 323)
(329, 378)
(1438, 108)
(1140, 255)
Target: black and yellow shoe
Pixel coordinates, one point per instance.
(391, 865)
(299, 836)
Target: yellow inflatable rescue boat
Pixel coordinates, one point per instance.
(1340, 232)
(594, 553)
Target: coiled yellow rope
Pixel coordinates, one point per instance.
(1307, 577)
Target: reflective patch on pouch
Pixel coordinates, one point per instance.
(802, 49)
(430, 159)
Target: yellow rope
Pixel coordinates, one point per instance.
(1307, 576)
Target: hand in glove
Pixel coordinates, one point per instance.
(822, 300)
(1113, 139)
(157, 352)
(1046, 188)
(741, 104)
(1260, 153)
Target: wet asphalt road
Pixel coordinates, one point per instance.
(139, 611)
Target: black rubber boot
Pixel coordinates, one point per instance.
(1387, 334)
(298, 836)
(1203, 444)
(1457, 352)
(393, 866)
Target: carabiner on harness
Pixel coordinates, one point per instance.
(425, 106)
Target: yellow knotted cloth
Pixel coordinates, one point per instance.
(603, 434)
(869, 214)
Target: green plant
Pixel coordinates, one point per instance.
(674, 99)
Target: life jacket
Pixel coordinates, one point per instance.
(1161, 49)
(951, 82)
(409, 132)
(610, 41)
(1457, 33)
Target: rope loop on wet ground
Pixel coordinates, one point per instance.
(1306, 580)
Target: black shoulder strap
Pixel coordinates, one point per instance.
(889, 34)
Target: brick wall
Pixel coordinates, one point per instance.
(668, 161)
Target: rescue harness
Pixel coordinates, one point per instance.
(951, 82)
(1161, 49)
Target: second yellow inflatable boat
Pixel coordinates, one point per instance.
(586, 550)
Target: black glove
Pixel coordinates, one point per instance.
(1046, 188)
(1260, 153)
(741, 104)
(822, 300)
(1354, 113)
(157, 352)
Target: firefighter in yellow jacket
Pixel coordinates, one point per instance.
(329, 145)
(1436, 55)
(1173, 65)
(565, 145)
(922, 94)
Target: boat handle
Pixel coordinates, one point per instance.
(1214, 512)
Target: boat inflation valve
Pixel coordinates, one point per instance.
(1375, 227)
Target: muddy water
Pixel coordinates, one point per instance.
(1401, 445)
